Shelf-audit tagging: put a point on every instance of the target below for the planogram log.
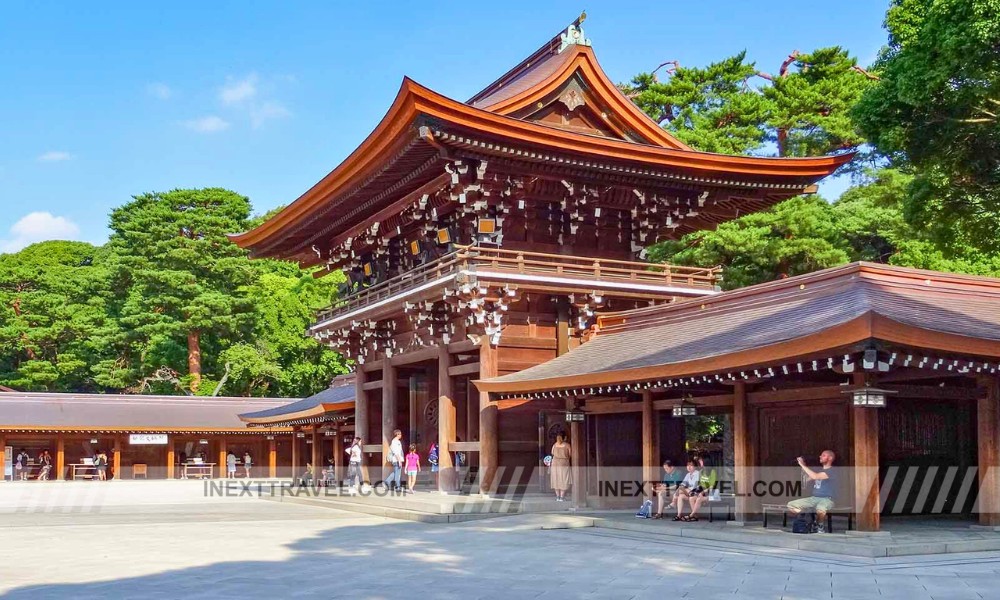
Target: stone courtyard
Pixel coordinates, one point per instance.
(166, 540)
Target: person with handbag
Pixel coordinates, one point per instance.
(395, 459)
(22, 465)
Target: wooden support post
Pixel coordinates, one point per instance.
(361, 424)
(744, 455)
(170, 458)
(866, 486)
(3, 458)
(413, 383)
(60, 457)
(317, 453)
(578, 459)
(447, 417)
(562, 325)
(988, 435)
(116, 460)
(272, 458)
(338, 455)
(489, 447)
(650, 454)
(390, 405)
(222, 458)
(295, 453)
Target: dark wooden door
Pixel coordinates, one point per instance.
(926, 451)
(787, 432)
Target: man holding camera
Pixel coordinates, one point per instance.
(824, 486)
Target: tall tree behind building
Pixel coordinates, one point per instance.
(936, 109)
(181, 272)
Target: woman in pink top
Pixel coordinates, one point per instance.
(412, 467)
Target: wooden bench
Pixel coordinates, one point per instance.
(727, 501)
(140, 469)
(847, 511)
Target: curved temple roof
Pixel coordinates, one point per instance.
(338, 397)
(34, 411)
(778, 322)
(397, 157)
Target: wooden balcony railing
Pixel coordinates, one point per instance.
(500, 260)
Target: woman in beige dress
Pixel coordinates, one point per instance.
(559, 472)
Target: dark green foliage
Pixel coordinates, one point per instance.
(936, 108)
(74, 317)
(807, 233)
(731, 107)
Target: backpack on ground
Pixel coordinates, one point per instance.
(801, 524)
(646, 510)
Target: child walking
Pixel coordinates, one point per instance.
(412, 467)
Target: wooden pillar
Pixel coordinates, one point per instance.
(338, 455)
(988, 437)
(447, 417)
(413, 392)
(272, 457)
(650, 453)
(60, 457)
(562, 325)
(489, 446)
(390, 404)
(222, 457)
(578, 460)
(317, 452)
(116, 459)
(866, 486)
(744, 455)
(171, 459)
(3, 458)
(361, 425)
(295, 452)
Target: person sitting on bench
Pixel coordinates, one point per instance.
(684, 491)
(672, 477)
(823, 489)
(307, 477)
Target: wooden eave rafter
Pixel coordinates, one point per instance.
(413, 100)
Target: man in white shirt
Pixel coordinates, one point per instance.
(395, 459)
(354, 465)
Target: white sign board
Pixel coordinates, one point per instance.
(8, 463)
(146, 439)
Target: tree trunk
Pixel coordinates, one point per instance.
(194, 358)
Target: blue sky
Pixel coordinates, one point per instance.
(101, 101)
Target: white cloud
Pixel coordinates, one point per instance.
(159, 90)
(238, 91)
(54, 156)
(38, 227)
(267, 111)
(209, 124)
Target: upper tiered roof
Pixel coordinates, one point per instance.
(556, 114)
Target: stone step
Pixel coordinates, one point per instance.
(388, 512)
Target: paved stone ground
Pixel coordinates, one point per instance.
(221, 548)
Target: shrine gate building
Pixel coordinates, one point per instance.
(481, 238)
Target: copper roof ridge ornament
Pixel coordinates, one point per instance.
(574, 36)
